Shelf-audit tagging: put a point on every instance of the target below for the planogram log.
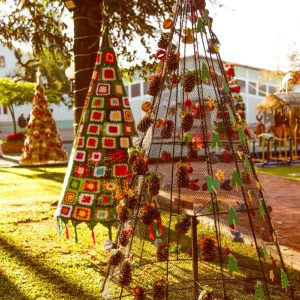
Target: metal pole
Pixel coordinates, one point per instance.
(195, 257)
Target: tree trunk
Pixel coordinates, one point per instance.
(87, 24)
(12, 112)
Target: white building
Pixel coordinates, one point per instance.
(248, 78)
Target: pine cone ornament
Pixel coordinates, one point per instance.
(132, 157)
(116, 256)
(139, 293)
(130, 202)
(139, 166)
(189, 81)
(124, 236)
(153, 85)
(200, 4)
(187, 121)
(208, 249)
(173, 61)
(183, 225)
(144, 124)
(124, 214)
(159, 289)
(153, 184)
(149, 213)
(164, 41)
(192, 152)
(167, 130)
(125, 273)
(162, 252)
(182, 177)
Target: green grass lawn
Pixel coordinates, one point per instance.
(282, 171)
(34, 262)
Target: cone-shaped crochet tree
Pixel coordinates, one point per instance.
(43, 143)
(199, 226)
(98, 168)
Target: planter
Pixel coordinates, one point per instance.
(12, 147)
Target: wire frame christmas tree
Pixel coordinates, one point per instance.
(43, 144)
(198, 226)
(98, 170)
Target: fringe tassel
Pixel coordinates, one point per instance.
(160, 227)
(76, 237)
(93, 237)
(59, 228)
(67, 232)
(151, 233)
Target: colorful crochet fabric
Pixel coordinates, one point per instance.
(98, 164)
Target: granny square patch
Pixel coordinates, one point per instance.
(79, 155)
(80, 142)
(114, 102)
(97, 115)
(69, 197)
(91, 186)
(66, 210)
(112, 129)
(109, 57)
(81, 170)
(86, 199)
(94, 129)
(109, 142)
(82, 213)
(86, 102)
(105, 200)
(103, 89)
(110, 185)
(102, 214)
(98, 58)
(127, 115)
(81, 128)
(95, 75)
(119, 89)
(126, 102)
(116, 155)
(115, 116)
(108, 74)
(96, 156)
(91, 89)
(92, 143)
(124, 142)
(120, 170)
(99, 171)
(74, 184)
(97, 102)
(127, 129)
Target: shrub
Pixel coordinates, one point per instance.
(19, 136)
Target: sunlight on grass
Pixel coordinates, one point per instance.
(282, 171)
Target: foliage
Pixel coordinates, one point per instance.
(18, 93)
(15, 137)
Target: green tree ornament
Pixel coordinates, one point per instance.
(201, 26)
(261, 209)
(242, 135)
(205, 74)
(259, 292)
(284, 280)
(215, 140)
(236, 180)
(212, 184)
(232, 265)
(225, 85)
(248, 164)
(264, 251)
(233, 218)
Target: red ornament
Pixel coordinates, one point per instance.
(161, 54)
(165, 156)
(227, 157)
(204, 187)
(194, 186)
(236, 89)
(174, 79)
(188, 102)
(227, 251)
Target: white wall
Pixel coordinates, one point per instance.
(10, 61)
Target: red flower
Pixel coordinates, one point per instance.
(15, 137)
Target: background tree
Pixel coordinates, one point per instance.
(18, 93)
(40, 24)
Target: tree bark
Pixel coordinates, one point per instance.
(12, 112)
(87, 24)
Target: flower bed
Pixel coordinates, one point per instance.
(13, 143)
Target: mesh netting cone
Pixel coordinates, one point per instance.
(43, 144)
(98, 169)
(199, 227)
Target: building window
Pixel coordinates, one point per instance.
(2, 61)
(4, 110)
(262, 90)
(136, 90)
(242, 84)
(272, 89)
(252, 88)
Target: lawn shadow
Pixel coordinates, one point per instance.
(49, 274)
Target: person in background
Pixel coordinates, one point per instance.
(22, 121)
